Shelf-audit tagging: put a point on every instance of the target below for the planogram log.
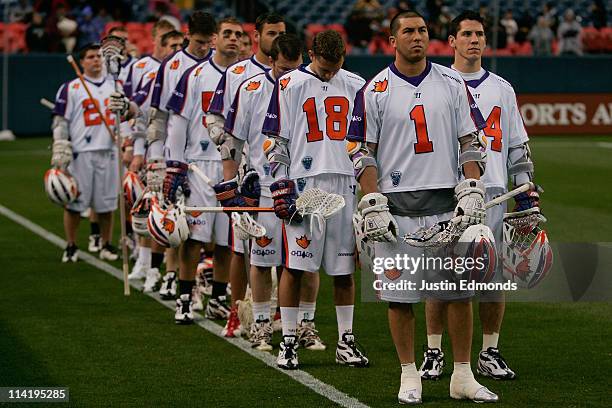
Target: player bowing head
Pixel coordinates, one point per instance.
(467, 37)
(171, 42)
(409, 36)
(91, 60)
(327, 54)
(285, 55)
(202, 33)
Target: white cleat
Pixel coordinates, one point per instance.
(108, 253)
(260, 335)
(168, 286)
(139, 271)
(347, 352)
(94, 243)
(492, 364)
(151, 281)
(470, 389)
(308, 336)
(183, 313)
(217, 309)
(70, 254)
(433, 364)
(287, 355)
(196, 299)
(410, 391)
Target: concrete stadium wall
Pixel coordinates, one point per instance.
(33, 76)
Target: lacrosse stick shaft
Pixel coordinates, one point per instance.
(521, 189)
(200, 174)
(228, 209)
(77, 70)
(47, 103)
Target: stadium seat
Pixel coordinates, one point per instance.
(111, 25)
(606, 33)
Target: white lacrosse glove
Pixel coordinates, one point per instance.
(119, 103)
(61, 153)
(214, 125)
(470, 208)
(378, 223)
(156, 172)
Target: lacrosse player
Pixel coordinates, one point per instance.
(129, 52)
(151, 254)
(268, 26)
(507, 155)
(306, 124)
(83, 146)
(189, 142)
(407, 126)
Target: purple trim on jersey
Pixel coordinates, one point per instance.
(475, 113)
(415, 80)
(142, 92)
(204, 58)
(358, 128)
(159, 81)
(271, 125)
(216, 105)
(98, 84)
(473, 83)
(212, 63)
(303, 69)
(176, 103)
(127, 87)
(269, 77)
(126, 63)
(62, 100)
(261, 66)
(230, 121)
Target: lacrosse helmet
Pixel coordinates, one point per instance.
(167, 224)
(140, 214)
(61, 187)
(133, 188)
(528, 255)
(478, 244)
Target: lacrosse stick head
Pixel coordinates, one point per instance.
(246, 227)
(140, 214)
(528, 256)
(60, 186)
(245, 309)
(112, 48)
(477, 244)
(167, 223)
(133, 188)
(319, 204)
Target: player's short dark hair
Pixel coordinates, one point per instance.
(169, 35)
(117, 28)
(464, 15)
(162, 24)
(228, 20)
(203, 23)
(267, 18)
(287, 44)
(86, 48)
(395, 21)
(329, 45)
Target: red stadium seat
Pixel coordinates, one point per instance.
(249, 28)
(525, 49)
(606, 33)
(111, 25)
(592, 39)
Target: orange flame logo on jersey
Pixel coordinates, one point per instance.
(141, 65)
(263, 241)
(195, 214)
(168, 225)
(76, 86)
(303, 242)
(284, 82)
(151, 75)
(239, 69)
(253, 85)
(175, 64)
(380, 86)
(197, 72)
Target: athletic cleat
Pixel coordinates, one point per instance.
(196, 299)
(71, 254)
(151, 283)
(94, 243)
(492, 364)
(308, 336)
(277, 324)
(139, 271)
(433, 364)
(184, 312)
(232, 326)
(260, 335)
(410, 391)
(347, 352)
(168, 286)
(217, 309)
(204, 281)
(109, 253)
(287, 355)
(472, 390)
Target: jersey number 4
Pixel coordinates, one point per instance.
(91, 116)
(494, 130)
(336, 109)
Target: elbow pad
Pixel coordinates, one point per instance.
(158, 122)
(473, 149)
(520, 166)
(276, 150)
(361, 156)
(60, 128)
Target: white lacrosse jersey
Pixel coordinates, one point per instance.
(314, 116)
(86, 127)
(231, 80)
(191, 100)
(170, 72)
(504, 125)
(137, 70)
(125, 68)
(245, 120)
(416, 122)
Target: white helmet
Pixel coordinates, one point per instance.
(140, 214)
(61, 187)
(528, 255)
(478, 244)
(133, 188)
(167, 224)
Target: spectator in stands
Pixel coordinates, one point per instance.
(510, 25)
(20, 12)
(525, 23)
(36, 37)
(164, 9)
(550, 14)
(371, 9)
(568, 34)
(90, 28)
(359, 31)
(401, 6)
(541, 37)
(599, 16)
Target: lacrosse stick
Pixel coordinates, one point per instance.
(47, 103)
(445, 232)
(112, 48)
(77, 70)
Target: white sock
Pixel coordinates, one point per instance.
(344, 316)
(410, 370)
(411, 378)
(463, 372)
(307, 311)
(434, 341)
(261, 311)
(144, 256)
(489, 340)
(289, 320)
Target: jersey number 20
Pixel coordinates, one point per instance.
(336, 109)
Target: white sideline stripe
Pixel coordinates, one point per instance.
(304, 378)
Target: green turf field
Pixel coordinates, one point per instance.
(71, 326)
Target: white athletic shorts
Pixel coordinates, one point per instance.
(333, 247)
(267, 250)
(97, 177)
(495, 221)
(206, 227)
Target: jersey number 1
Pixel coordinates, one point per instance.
(336, 108)
(423, 144)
